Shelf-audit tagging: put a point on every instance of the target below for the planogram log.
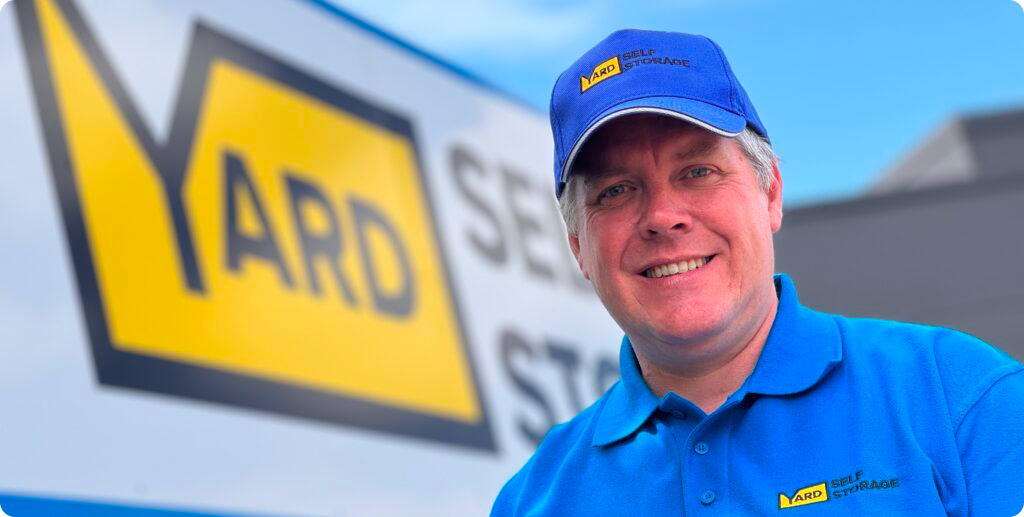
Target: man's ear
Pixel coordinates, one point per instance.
(574, 245)
(775, 199)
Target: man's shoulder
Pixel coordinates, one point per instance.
(963, 365)
(945, 397)
(564, 444)
(880, 338)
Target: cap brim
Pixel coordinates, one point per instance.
(707, 116)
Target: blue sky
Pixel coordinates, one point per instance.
(844, 88)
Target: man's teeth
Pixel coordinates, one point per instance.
(675, 268)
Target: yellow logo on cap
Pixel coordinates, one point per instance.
(601, 72)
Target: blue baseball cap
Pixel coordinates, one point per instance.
(634, 71)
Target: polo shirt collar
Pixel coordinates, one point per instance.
(630, 402)
(802, 346)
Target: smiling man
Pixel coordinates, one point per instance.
(734, 399)
(676, 237)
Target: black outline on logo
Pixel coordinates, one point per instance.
(124, 369)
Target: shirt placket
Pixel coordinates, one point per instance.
(703, 447)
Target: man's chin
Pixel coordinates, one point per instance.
(690, 332)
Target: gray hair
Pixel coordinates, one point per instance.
(755, 147)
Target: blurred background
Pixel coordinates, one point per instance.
(301, 257)
(846, 89)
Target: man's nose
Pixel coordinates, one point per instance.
(665, 212)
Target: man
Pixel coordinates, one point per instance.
(734, 399)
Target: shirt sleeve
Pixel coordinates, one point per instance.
(990, 438)
(508, 499)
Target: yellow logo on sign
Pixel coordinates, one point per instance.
(601, 72)
(277, 252)
(808, 495)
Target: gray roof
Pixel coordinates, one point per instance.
(966, 149)
(944, 246)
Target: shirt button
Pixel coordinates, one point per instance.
(707, 497)
(701, 448)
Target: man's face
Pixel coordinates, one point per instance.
(656, 192)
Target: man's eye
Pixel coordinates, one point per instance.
(613, 191)
(699, 172)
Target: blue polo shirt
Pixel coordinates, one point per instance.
(840, 416)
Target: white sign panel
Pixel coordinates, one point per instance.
(262, 259)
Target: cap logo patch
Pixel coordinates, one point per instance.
(601, 72)
(625, 62)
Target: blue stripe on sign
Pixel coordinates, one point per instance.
(330, 7)
(20, 506)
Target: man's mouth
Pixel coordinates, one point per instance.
(676, 268)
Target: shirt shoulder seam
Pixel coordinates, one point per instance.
(984, 386)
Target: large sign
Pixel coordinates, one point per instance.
(278, 250)
(268, 260)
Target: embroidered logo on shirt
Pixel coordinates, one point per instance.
(853, 483)
(838, 488)
(804, 496)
